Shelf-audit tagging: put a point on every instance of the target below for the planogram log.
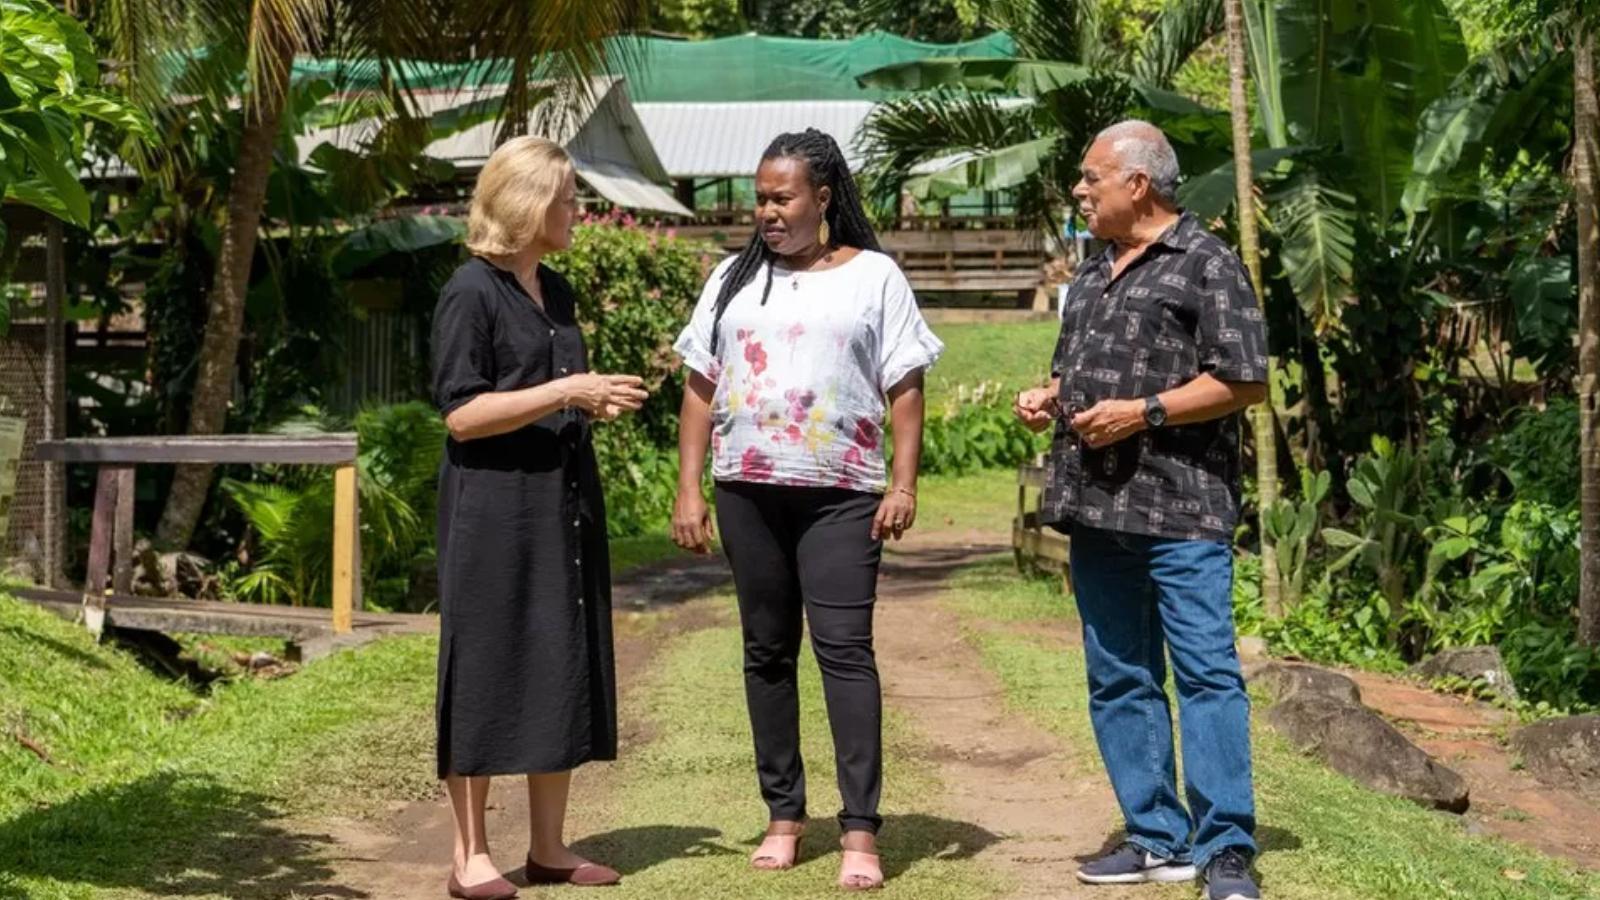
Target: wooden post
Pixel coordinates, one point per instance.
(55, 402)
(94, 581)
(346, 574)
(122, 532)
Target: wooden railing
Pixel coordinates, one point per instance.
(976, 255)
(1034, 544)
(111, 534)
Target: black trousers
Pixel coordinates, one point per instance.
(797, 549)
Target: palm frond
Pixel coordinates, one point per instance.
(1043, 29)
(278, 30)
(901, 134)
(1179, 30)
(559, 41)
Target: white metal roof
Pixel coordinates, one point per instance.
(716, 140)
(608, 144)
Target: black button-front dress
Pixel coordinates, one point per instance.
(526, 678)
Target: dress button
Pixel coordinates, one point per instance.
(563, 370)
(574, 523)
(552, 332)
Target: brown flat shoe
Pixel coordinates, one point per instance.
(497, 889)
(587, 875)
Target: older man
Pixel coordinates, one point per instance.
(1161, 346)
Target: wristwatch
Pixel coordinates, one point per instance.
(1155, 415)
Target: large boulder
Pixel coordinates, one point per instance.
(1286, 679)
(1356, 741)
(1483, 665)
(1564, 752)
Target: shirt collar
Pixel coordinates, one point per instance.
(1178, 236)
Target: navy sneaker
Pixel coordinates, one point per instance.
(1228, 878)
(1132, 864)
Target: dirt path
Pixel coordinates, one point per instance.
(406, 855)
(1001, 773)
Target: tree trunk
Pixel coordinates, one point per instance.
(1262, 419)
(1586, 118)
(219, 347)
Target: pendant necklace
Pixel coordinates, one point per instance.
(794, 274)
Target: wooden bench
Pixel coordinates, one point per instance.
(111, 536)
(1035, 545)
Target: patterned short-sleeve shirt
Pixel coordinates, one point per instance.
(1182, 309)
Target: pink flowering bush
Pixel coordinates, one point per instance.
(636, 286)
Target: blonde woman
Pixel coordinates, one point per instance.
(526, 681)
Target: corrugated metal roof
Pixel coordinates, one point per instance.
(627, 187)
(609, 146)
(470, 147)
(715, 140)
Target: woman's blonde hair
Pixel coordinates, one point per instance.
(513, 195)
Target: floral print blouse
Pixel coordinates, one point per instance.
(802, 381)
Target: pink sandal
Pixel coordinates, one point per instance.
(779, 850)
(859, 870)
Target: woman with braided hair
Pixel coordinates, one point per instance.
(799, 347)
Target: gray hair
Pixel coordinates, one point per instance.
(1141, 147)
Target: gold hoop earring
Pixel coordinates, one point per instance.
(824, 233)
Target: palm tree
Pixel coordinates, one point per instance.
(1262, 417)
(223, 50)
(1585, 170)
(1021, 124)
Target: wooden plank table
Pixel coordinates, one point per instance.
(111, 531)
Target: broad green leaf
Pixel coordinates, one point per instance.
(1339, 538)
(402, 235)
(1212, 194)
(1316, 224)
(66, 199)
(1453, 548)
(1541, 293)
(108, 109)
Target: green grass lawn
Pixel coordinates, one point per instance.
(684, 813)
(1325, 837)
(983, 500)
(1014, 354)
(152, 790)
(644, 549)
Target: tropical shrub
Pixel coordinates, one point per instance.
(288, 554)
(636, 287)
(976, 431)
(1536, 453)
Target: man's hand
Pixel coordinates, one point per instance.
(1035, 408)
(1109, 421)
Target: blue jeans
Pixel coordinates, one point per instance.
(1134, 594)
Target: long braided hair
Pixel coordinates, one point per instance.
(847, 220)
